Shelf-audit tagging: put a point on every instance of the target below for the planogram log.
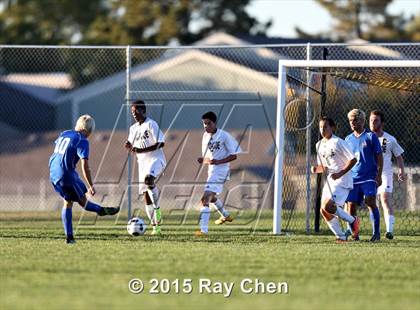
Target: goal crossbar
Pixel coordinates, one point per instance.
(281, 102)
(350, 63)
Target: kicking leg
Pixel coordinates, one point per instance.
(224, 214)
(93, 207)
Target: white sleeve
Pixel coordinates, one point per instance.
(396, 149)
(232, 145)
(131, 135)
(156, 133)
(344, 147)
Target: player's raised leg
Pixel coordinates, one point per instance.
(224, 214)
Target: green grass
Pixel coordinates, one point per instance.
(39, 271)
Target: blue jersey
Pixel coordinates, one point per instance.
(70, 146)
(365, 148)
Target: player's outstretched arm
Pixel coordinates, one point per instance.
(148, 149)
(87, 175)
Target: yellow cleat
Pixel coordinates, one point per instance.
(199, 233)
(223, 220)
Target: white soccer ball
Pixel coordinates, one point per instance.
(136, 226)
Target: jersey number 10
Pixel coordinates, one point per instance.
(61, 145)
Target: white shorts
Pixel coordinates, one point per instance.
(387, 184)
(154, 168)
(337, 194)
(215, 182)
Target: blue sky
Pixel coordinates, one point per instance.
(309, 15)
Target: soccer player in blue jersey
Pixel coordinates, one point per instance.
(367, 171)
(70, 147)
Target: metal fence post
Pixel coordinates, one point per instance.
(308, 143)
(126, 103)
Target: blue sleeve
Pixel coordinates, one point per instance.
(83, 149)
(377, 149)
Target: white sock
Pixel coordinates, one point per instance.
(335, 227)
(389, 222)
(154, 193)
(150, 211)
(204, 219)
(372, 220)
(219, 206)
(344, 215)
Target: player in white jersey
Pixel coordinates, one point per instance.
(147, 140)
(218, 149)
(335, 158)
(390, 147)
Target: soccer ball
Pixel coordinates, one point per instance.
(136, 226)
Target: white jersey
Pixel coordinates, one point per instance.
(218, 146)
(390, 147)
(145, 135)
(334, 154)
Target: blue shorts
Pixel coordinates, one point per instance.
(362, 190)
(71, 192)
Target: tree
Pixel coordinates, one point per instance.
(158, 22)
(365, 19)
(47, 21)
(109, 22)
(121, 22)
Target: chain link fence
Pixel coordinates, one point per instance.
(44, 89)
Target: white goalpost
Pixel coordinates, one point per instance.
(280, 113)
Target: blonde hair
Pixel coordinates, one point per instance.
(85, 122)
(358, 114)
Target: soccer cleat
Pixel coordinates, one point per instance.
(355, 227)
(200, 233)
(108, 211)
(70, 240)
(389, 235)
(156, 231)
(375, 238)
(347, 233)
(223, 219)
(340, 240)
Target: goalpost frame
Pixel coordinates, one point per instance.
(281, 103)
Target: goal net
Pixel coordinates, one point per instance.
(311, 89)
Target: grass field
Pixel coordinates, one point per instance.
(39, 271)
